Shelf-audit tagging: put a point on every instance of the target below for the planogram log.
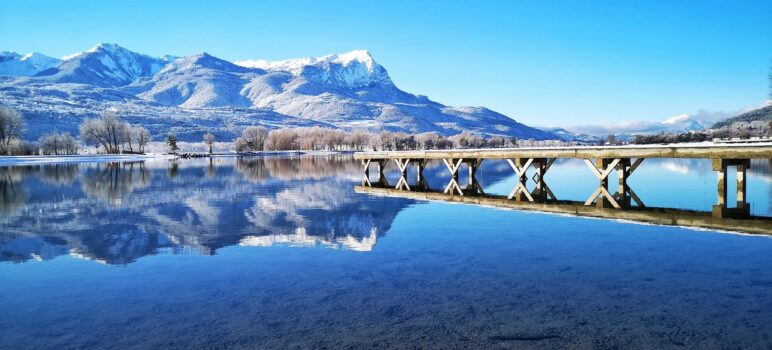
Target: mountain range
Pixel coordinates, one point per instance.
(192, 95)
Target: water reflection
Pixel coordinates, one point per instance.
(623, 204)
(116, 213)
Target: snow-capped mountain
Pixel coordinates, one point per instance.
(566, 135)
(15, 65)
(355, 69)
(105, 65)
(684, 123)
(626, 129)
(202, 93)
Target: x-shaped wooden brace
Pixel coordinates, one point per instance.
(602, 191)
(402, 184)
(520, 189)
(602, 174)
(402, 164)
(453, 187)
(453, 165)
(634, 165)
(520, 170)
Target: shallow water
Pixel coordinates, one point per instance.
(283, 253)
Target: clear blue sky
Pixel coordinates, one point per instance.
(543, 63)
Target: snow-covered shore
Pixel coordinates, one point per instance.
(28, 160)
(88, 158)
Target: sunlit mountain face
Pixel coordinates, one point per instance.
(115, 213)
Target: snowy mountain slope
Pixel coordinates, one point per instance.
(15, 65)
(105, 65)
(197, 81)
(349, 91)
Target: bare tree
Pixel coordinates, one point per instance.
(255, 137)
(209, 140)
(357, 140)
(142, 137)
(107, 131)
(11, 127)
(58, 144)
(282, 140)
(127, 136)
(241, 145)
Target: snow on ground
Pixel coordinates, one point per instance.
(32, 160)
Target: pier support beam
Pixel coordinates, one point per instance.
(453, 166)
(402, 165)
(721, 209)
(602, 168)
(366, 180)
(473, 165)
(540, 192)
(520, 167)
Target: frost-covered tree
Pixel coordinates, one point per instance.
(141, 136)
(357, 140)
(209, 140)
(255, 137)
(11, 127)
(282, 140)
(107, 131)
(58, 144)
(240, 145)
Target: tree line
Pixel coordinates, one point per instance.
(259, 138)
(107, 131)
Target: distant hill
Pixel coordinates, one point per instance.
(761, 115)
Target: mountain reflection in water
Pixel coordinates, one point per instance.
(115, 213)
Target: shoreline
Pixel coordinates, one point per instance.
(95, 158)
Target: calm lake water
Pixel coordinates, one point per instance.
(281, 252)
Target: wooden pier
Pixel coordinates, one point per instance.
(600, 160)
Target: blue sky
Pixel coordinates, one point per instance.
(542, 63)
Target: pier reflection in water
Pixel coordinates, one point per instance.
(624, 203)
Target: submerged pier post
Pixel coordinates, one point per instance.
(741, 199)
(721, 209)
(420, 164)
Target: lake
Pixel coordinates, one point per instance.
(283, 252)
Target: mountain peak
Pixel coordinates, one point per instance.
(14, 64)
(353, 69)
(360, 56)
(105, 47)
(292, 64)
